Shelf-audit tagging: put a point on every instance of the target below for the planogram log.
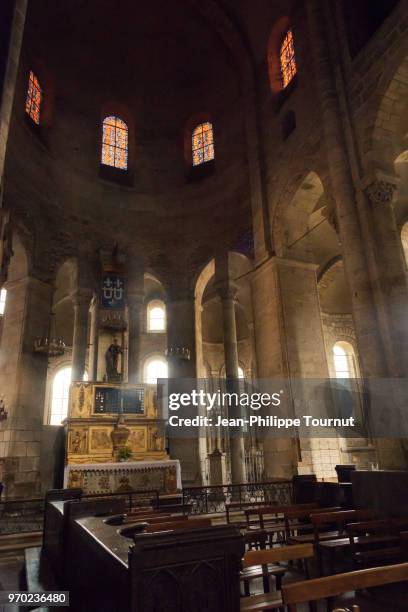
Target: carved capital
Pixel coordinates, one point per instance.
(380, 192)
(82, 298)
(226, 290)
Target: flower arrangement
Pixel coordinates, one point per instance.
(124, 453)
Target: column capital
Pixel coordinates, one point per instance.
(135, 298)
(82, 297)
(380, 191)
(226, 290)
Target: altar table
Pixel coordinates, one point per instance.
(162, 476)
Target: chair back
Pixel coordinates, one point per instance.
(278, 554)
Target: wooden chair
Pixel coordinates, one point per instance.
(331, 586)
(271, 601)
(298, 527)
(271, 518)
(235, 512)
(257, 540)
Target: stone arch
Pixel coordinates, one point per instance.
(389, 117)
(19, 262)
(304, 208)
(404, 241)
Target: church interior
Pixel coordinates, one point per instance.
(203, 195)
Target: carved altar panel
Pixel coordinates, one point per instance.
(138, 439)
(78, 441)
(100, 439)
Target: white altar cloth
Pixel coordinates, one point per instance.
(104, 477)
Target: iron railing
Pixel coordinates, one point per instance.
(19, 515)
(24, 515)
(214, 499)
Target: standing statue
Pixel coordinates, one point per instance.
(112, 360)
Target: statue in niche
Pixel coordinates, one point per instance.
(157, 442)
(112, 361)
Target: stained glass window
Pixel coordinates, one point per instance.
(287, 59)
(115, 143)
(202, 143)
(34, 98)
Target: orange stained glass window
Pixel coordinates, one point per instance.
(202, 143)
(34, 98)
(287, 59)
(115, 143)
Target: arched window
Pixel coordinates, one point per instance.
(156, 316)
(404, 240)
(240, 372)
(344, 360)
(115, 143)
(3, 295)
(202, 143)
(60, 395)
(155, 368)
(34, 98)
(287, 59)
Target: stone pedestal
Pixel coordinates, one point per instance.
(216, 468)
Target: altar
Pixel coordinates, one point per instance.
(122, 477)
(116, 440)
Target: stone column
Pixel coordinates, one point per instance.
(391, 270)
(181, 334)
(227, 292)
(82, 303)
(290, 346)
(94, 341)
(364, 313)
(23, 375)
(10, 70)
(227, 295)
(135, 302)
(135, 313)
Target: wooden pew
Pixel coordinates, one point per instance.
(331, 586)
(271, 601)
(178, 524)
(336, 538)
(376, 542)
